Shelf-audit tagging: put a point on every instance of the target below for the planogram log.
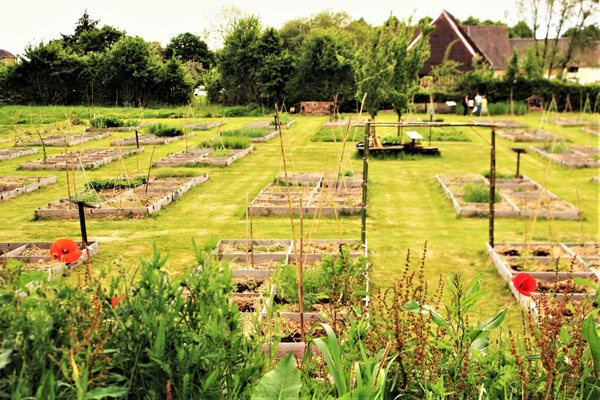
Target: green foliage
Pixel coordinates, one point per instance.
(283, 383)
(512, 69)
(190, 47)
(326, 135)
(520, 30)
(232, 143)
(109, 121)
(164, 130)
(118, 183)
(479, 192)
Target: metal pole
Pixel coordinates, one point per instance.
(492, 185)
(363, 234)
(518, 162)
(82, 224)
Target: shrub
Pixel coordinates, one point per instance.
(163, 130)
(100, 121)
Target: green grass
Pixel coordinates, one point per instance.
(406, 205)
(235, 142)
(479, 193)
(177, 172)
(245, 132)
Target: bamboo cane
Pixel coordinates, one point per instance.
(580, 217)
(67, 165)
(150, 169)
(247, 245)
(301, 276)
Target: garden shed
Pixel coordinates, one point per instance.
(535, 103)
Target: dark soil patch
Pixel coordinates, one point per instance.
(249, 286)
(294, 336)
(563, 287)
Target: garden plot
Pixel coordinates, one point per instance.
(566, 122)
(515, 198)
(595, 131)
(323, 199)
(587, 253)
(36, 257)
(257, 258)
(217, 157)
(572, 157)
(13, 186)
(120, 128)
(268, 125)
(59, 140)
(503, 123)
(7, 154)
(89, 158)
(351, 180)
(137, 201)
(203, 126)
(148, 139)
(533, 135)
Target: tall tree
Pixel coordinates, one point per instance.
(98, 40)
(84, 24)
(221, 24)
(275, 68)
(512, 69)
(520, 31)
(239, 62)
(190, 47)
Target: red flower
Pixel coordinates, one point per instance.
(115, 301)
(524, 283)
(65, 250)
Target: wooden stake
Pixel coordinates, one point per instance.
(72, 172)
(247, 244)
(301, 276)
(492, 186)
(287, 183)
(150, 169)
(251, 243)
(580, 217)
(67, 165)
(137, 153)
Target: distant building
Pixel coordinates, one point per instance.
(491, 45)
(7, 57)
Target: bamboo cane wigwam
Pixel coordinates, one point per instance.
(136, 201)
(201, 157)
(58, 140)
(320, 193)
(8, 154)
(518, 198)
(13, 186)
(90, 158)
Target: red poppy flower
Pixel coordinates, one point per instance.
(115, 301)
(524, 283)
(65, 250)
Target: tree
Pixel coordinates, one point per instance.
(531, 65)
(190, 47)
(98, 40)
(520, 30)
(221, 24)
(84, 24)
(240, 61)
(325, 68)
(276, 67)
(512, 69)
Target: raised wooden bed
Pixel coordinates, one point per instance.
(59, 140)
(90, 158)
(38, 254)
(203, 126)
(120, 128)
(149, 140)
(201, 157)
(13, 186)
(587, 253)
(504, 123)
(594, 131)
(533, 135)
(577, 157)
(266, 125)
(566, 122)
(7, 154)
(519, 198)
(132, 202)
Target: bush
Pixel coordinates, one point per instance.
(163, 130)
(100, 121)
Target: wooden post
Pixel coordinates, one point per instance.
(149, 169)
(247, 244)
(67, 165)
(363, 233)
(137, 155)
(492, 185)
(301, 277)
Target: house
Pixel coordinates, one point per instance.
(492, 46)
(7, 57)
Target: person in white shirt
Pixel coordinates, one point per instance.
(478, 104)
(471, 104)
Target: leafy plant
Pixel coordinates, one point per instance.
(282, 383)
(245, 132)
(116, 183)
(479, 192)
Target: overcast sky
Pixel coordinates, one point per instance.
(30, 21)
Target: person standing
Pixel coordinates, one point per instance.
(471, 105)
(465, 103)
(484, 109)
(478, 99)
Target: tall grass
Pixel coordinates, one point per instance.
(232, 143)
(177, 172)
(163, 130)
(479, 192)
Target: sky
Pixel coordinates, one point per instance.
(31, 21)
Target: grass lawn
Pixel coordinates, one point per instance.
(406, 205)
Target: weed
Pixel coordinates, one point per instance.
(479, 192)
